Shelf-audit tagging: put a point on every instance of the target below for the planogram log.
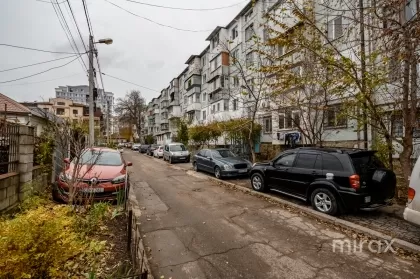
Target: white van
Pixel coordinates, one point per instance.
(412, 211)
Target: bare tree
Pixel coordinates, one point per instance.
(131, 109)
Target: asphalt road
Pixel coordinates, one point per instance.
(194, 228)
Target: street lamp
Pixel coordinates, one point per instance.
(106, 41)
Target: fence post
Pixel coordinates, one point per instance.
(26, 159)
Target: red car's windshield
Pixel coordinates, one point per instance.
(101, 158)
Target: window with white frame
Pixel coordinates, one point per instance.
(235, 104)
(204, 78)
(397, 126)
(203, 60)
(410, 9)
(236, 81)
(218, 106)
(235, 32)
(249, 32)
(289, 118)
(334, 117)
(225, 105)
(214, 109)
(267, 124)
(335, 28)
(249, 59)
(204, 97)
(215, 40)
(203, 115)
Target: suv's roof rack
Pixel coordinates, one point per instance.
(333, 149)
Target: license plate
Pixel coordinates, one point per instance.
(242, 171)
(367, 199)
(181, 158)
(92, 190)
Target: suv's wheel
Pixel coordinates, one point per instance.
(257, 182)
(217, 172)
(324, 200)
(195, 167)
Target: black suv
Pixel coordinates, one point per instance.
(332, 180)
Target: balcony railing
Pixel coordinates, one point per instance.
(173, 115)
(193, 106)
(193, 90)
(219, 94)
(175, 102)
(164, 121)
(222, 70)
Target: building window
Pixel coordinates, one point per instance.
(289, 119)
(334, 119)
(236, 81)
(296, 70)
(234, 32)
(214, 109)
(248, 16)
(335, 28)
(267, 125)
(235, 55)
(226, 105)
(204, 78)
(249, 32)
(215, 41)
(397, 126)
(204, 115)
(203, 60)
(75, 112)
(61, 104)
(235, 104)
(410, 9)
(204, 97)
(218, 106)
(249, 60)
(394, 68)
(60, 111)
(46, 109)
(280, 50)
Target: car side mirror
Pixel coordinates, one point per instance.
(67, 160)
(129, 164)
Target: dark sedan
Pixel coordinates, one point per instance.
(221, 163)
(143, 148)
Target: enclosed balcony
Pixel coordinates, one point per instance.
(193, 107)
(219, 94)
(221, 71)
(194, 81)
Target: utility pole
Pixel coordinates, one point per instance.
(108, 114)
(91, 86)
(363, 69)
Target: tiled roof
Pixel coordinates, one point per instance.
(12, 105)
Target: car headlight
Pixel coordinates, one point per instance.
(228, 167)
(248, 163)
(119, 179)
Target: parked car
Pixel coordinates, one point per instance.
(220, 162)
(143, 148)
(332, 180)
(151, 149)
(128, 145)
(121, 145)
(158, 152)
(176, 152)
(412, 211)
(135, 147)
(101, 175)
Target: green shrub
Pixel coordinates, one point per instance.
(38, 242)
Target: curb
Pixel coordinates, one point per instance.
(137, 246)
(399, 243)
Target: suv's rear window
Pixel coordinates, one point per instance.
(364, 162)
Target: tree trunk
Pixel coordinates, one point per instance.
(389, 151)
(251, 142)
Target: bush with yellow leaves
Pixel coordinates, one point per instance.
(41, 242)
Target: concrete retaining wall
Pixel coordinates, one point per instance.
(9, 190)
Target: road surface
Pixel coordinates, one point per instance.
(195, 228)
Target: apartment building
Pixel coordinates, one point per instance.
(214, 88)
(80, 93)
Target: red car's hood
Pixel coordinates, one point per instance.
(100, 172)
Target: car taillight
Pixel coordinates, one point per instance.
(411, 194)
(354, 181)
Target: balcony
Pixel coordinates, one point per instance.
(164, 121)
(174, 114)
(194, 81)
(193, 107)
(175, 102)
(219, 94)
(173, 89)
(164, 127)
(194, 90)
(164, 104)
(156, 111)
(221, 71)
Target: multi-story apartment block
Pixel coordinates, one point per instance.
(214, 88)
(80, 93)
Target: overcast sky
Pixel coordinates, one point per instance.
(142, 52)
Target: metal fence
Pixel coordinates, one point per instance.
(9, 147)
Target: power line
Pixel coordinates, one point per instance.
(77, 26)
(131, 82)
(187, 9)
(155, 22)
(41, 50)
(39, 63)
(7, 81)
(67, 30)
(87, 18)
(41, 81)
(50, 2)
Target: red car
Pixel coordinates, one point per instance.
(101, 174)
